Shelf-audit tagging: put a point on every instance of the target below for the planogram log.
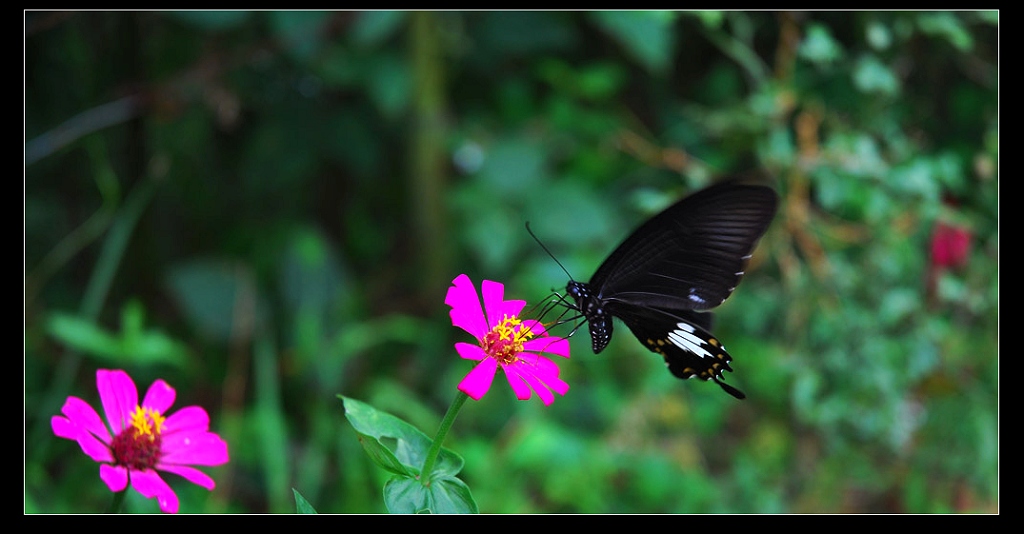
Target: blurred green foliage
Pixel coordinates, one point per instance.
(265, 209)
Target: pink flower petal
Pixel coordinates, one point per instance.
(510, 308)
(118, 396)
(94, 448)
(549, 345)
(494, 294)
(498, 308)
(114, 476)
(159, 397)
(535, 328)
(470, 351)
(91, 446)
(545, 395)
(554, 383)
(150, 485)
(541, 374)
(85, 418)
(187, 419)
(538, 365)
(466, 312)
(516, 382)
(83, 425)
(190, 474)
(64, 428)
(478, 381)
(187, 448)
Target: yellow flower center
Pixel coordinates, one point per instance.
(138, 445)
(505, 341)
(147, 421)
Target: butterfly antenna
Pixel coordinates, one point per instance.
(535, 238)
(558, 299)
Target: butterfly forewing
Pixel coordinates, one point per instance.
(692, 255)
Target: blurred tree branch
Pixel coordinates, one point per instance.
(85, 123)
(427, 158)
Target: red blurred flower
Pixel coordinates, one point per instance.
(950, 245)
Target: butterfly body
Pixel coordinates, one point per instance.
(661, 280)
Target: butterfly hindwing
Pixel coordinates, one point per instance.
(688, 348)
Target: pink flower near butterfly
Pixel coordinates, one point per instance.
(144, 439)
(505, 341)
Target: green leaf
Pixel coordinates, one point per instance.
(602, 81)
(148, 346)
(135, 344)
(870, 75)
(520, 33)
(710, 18)
(406, 446)
(948, 26)
(389, 83)
(382, 455)
(302, 506)
(646, 35)
(81, 334)
(301, 32)
(514, 165)
(372, 28)
(596, 82)
(990, 16)
(444, 495)
(312, 275)
(819, 46)
(212, 20)
(878, 35)
(212, 294)
(401, 448)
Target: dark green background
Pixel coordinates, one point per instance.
(265, 209)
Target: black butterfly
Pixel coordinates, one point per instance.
(687, 259)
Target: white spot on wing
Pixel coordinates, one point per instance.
(685, 339)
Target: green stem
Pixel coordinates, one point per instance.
(446, 425)
(115, 505)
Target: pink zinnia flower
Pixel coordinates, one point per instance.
(504, 340)
(144, 439)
